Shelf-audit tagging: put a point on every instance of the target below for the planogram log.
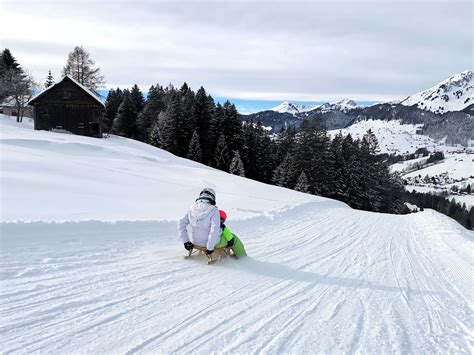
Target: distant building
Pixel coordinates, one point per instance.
(9, 108)
(69, 106)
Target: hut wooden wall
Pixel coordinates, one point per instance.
(68, 107)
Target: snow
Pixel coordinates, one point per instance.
(343, 105)
(393, 136)
(125, 180)
(288, 107)
(459, 166)
(101, 271)
(456, 170)
(452, 94)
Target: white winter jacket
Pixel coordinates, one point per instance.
(204, 221)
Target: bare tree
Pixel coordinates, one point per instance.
(81, 67)
(16, 84)
(22, 89)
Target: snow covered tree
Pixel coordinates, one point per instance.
(194, 151)
(80, 66)
(155, 137)
(302, 184)
(236, 165)
(49, 80)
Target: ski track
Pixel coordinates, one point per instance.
(318, 280)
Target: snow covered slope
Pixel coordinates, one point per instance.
(393, 136)
(58, 177)
(453, 94)
(320, 278)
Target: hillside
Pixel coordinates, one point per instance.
(100, 269)
(445, 111)
(453, 94)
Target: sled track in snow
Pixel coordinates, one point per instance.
(318, 280)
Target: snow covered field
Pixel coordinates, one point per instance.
(393, 137)
(111, 277)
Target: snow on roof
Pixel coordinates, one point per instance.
(88, 91)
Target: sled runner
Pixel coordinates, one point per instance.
(217, 255)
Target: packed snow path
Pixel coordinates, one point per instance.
(317, 280)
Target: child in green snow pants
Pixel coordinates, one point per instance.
(226, 237)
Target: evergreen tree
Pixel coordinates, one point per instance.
(285, 173)
(137, 98)
(49, 80)
(311, 154)
(221, 156)
(169, 124)
(155, 137)
(125, 119)
(285, 141)
(232, 127)
(302, 184)
(138, 103)
(112, 104)
(352, 173)
(336, 170)
(372, 190)
(202, 115)
(149, 115)
(187, 123)
(80, 66)
(236, 165)
(194, 151)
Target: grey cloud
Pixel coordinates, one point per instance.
(378, 48)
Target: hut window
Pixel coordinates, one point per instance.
(67, 94)
(80, 125)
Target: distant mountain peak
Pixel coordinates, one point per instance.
(453, 94)
(343, 105)
(288, 107)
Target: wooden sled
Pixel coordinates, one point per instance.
(217, 255)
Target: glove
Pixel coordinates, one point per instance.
(230, 242)
(188, 246)
(209, 252)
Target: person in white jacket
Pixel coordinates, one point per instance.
(204, 221)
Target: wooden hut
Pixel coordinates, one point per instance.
(69, 107)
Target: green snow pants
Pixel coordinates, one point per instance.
(238, 246)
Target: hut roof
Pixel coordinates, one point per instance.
(86, 90)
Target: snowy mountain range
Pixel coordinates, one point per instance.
(91, 262)
(288, 107)
(444, 111)
(453, 94)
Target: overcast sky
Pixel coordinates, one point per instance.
(259, 50)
